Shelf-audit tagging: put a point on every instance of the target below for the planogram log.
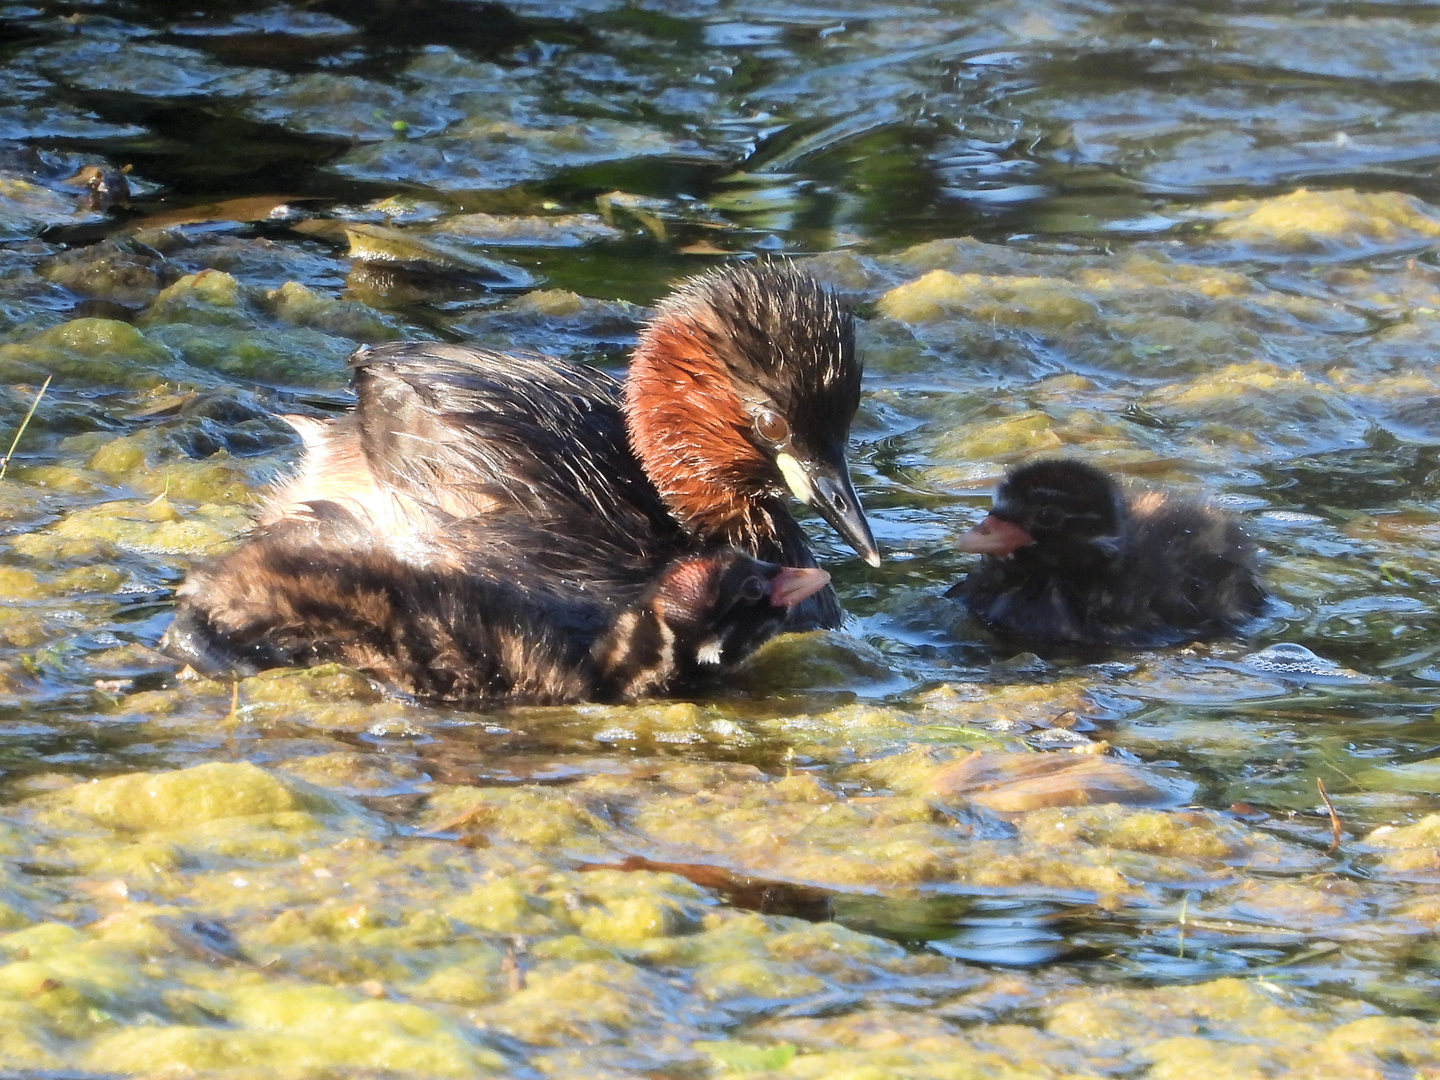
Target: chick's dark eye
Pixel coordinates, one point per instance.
(1049, 517)
(771, 427)
(753, 589)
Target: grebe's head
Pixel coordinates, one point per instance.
(1058, 511)
(704, 614)
(743, 385)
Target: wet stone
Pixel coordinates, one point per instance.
(1015, 783)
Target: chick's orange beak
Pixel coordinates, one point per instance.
(994, 536)
(796, 583)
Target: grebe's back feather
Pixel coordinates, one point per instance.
(532, 432)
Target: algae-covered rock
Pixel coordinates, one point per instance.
(87, 351)
(536, 817)
(1341, 222)
(596, 1001)
(1413, 776)
(560, 230)
(211, 297)
(147, 69)
(294, 303)
(999, 440)
(296, 1031)
(1184, 835)
(814, 660)
(27, 208)
(146, 802)
(1255, 405)
(554, 321)
(279, 355)
(324, 103)
(408, 250)
(505, 906)
(478, 981)
(148, 461)
(485, 154)
(117, 269)
(155, 526)
(29, 1041)
(1409, 849)
(1045, 303)
(79, 986)
(629, 910)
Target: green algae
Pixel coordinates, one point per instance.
(86, 351)
(1329, 222)
(167, 801)
(155, 527)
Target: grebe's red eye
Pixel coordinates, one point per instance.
(771, 427)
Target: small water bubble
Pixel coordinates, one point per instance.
(730, 731)
(1288, 517)
(1292, 661)
(1240, 503)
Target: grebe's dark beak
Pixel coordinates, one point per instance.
(826, 486)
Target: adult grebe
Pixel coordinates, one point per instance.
(552, 482)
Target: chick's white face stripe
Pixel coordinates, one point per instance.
(710, 652)
(795, 478)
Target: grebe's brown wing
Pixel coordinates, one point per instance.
(473, 431)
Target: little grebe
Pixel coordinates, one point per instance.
(1072, 559)
(457, 637)
(552, 482)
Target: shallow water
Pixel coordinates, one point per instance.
(1198, 247)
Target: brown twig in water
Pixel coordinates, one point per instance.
(1334, 817)
(5, 461)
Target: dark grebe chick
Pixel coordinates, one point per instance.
(454, 637)
(704, 616)
(1070, 558)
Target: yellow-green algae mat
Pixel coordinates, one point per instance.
(302, 877)
(233, 920)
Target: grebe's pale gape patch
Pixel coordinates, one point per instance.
(535, 486)
(1072, 559)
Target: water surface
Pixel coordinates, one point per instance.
(1197, 246)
